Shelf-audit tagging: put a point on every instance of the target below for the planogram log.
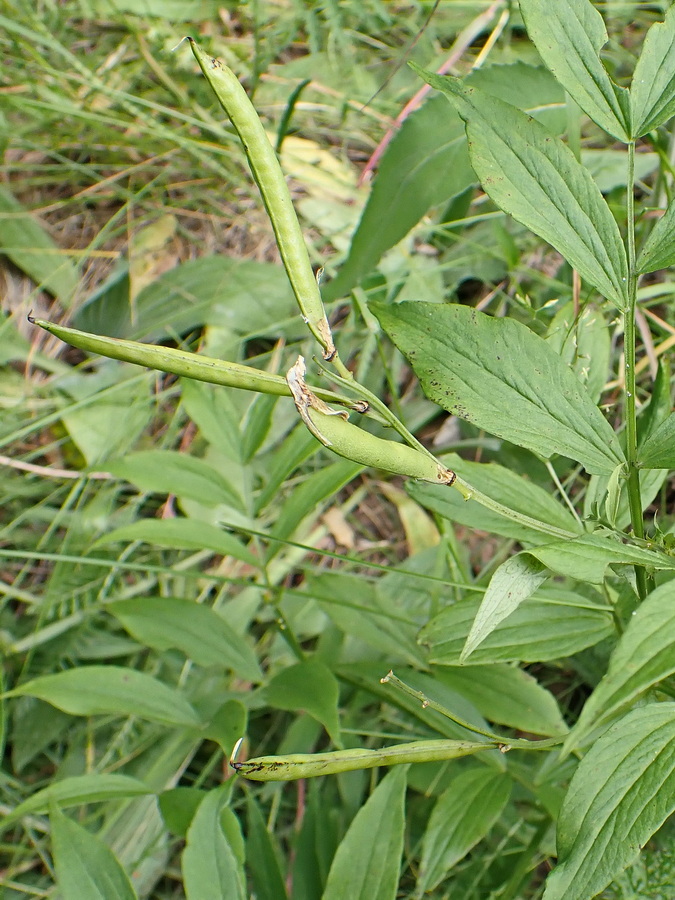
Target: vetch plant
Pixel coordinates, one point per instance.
(608, 782)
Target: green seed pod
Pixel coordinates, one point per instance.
(336, 433)
(275, 194)
(308, 765)
(179, 362)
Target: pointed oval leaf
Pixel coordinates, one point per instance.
(534, 177)
(196, 630)
(210, 866)
(504, 378)
(86, 868)
(652, 91)
(569, 37)
(622, 792)
(94, 690)
(367, 863)
(658, 451)
(308, 686)
(644, 656)
(587, 558)
(514, 581)
(659, 248)
(462, 816)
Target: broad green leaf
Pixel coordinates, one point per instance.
(569, 37)
(515, 580)
(534, 177)
(76, 790)
(502, 377)
(94, 690)
(198, 631)
(178, 807)
(658, 451)
(28, 245)
(367, 863)
(587, 558)
(210, 867)
(609, 168)
(583, 342)
(171, 472)
(652, 91)
(183, 534)
(552, 624)
(622, 792)
(503, 485)
(263, 861)
(425, 164)
(309, 686)
(507, 695)
(462, 816)
(86, 868)
(658, 251)
(226, 724)
(644, 656)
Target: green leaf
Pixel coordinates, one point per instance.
(502, 377)
(644, 656)
(76, 790)
(552, 624)
(587, 558)
(178, 807)
(367, 863)
(171, 472)
(196, 630)
(425, 164)
(583, 341)
(86, 868)
(534, 177)
(213, 411)
(622, 792)
(28, 245)
(652, 91)
(263, 861)
(658, 451)
(309, 686)
(95, 690)
(508, 696)
(210, 866)
(183, 534)
(464, 813)
(569, 37)
(515, 580)
(503, 485)
(658, 251)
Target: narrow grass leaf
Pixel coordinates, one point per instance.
(263, 861)
(499, 375)
(171, 472)
(210, 866)
(569, 37)
(515, 580)
(621, 794)
(535, 632)
(196, 630)
(367, 863)
(652, 91)
(94, 690)
(77, 790)
(644, 656)
(86, 868)
(658, 251)
(588, 557)
(508, 696)
(28, 245)
(182, 534)
(309, 686)
(534, 177)
(658, 451)
(463, 814)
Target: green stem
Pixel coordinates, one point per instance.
(634, 493)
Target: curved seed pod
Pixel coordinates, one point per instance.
(275, 194)
(180, 362)
(310, 765)
(335, 432)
